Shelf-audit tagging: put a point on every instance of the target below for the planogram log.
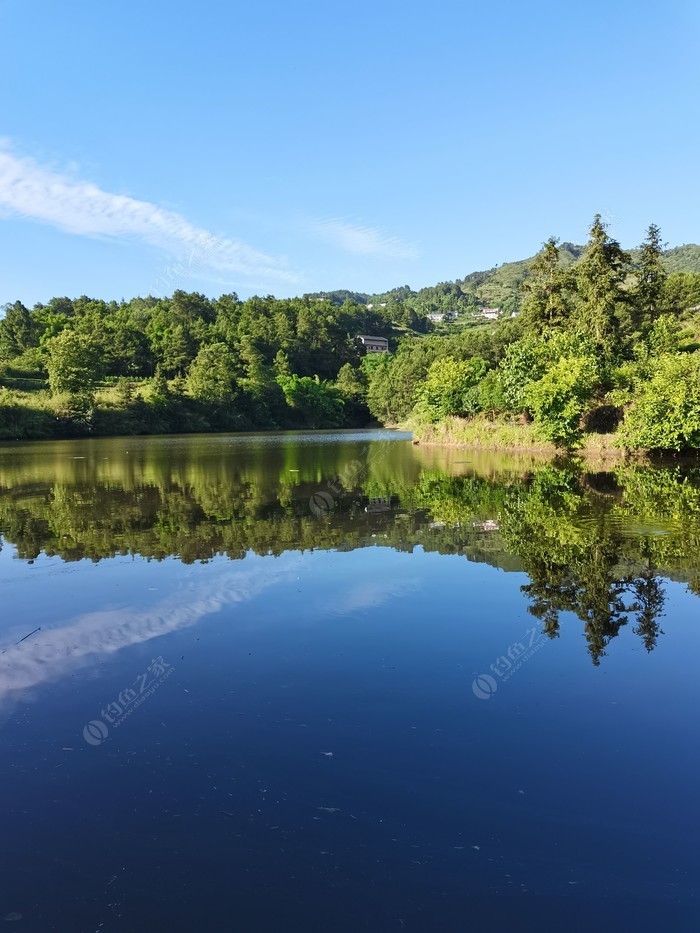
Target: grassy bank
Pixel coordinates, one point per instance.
(110, 412)
(484, 433)
(480, 432)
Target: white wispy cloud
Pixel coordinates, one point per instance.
(79, 642)
(363, 240)
(65, 201)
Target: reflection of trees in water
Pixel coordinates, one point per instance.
(587, 584)
(578, 561)
(596, 547)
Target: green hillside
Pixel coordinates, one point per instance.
(499, 287)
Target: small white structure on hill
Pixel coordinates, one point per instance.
(439, 316)
(489, 314)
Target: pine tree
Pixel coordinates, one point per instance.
(600, 276)
(652, 277)
(546, 303)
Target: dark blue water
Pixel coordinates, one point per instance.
(357, 722)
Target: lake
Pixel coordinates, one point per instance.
(338, 682)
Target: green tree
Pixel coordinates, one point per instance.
(74, 364)
(600, 277)
(523, 363)
(648, 297)
(177, 349)
(125, 392)
(559, 398)
(318, 403)
(351, 380)
(546, 303)
(450, 388)
(490, 394)
(666, 415)
(212, 375)
(16, 331)
(665, 335)
(160, 389)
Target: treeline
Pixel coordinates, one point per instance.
(184, 363)
(604, 342)
(602, 345)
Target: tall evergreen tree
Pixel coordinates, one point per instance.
(600, 276)
(15, 331)
(652, 278)
(546, 304)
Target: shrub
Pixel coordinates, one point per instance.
(559, 398)
(666, 416)
(450, 388)
(318, 403)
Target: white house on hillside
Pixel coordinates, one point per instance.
(439, 317)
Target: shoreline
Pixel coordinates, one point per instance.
(499, 437)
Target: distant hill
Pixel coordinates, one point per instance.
(499, 287)
(683, 258)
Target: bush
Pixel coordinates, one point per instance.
(666, 416)
(318, 403)
(450, 388)
(559, 398)
(527, 361)
(74, 364)
(491, 396)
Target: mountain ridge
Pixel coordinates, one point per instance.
(499, 286)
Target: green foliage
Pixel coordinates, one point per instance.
(681, 292)
(559, 398)
(17, 331)
(450, 388)
(216, 364)
(546, 303)
(212, 375)
(651, 279)
(125, 392)
(394, 383)
(351, 380)
(74, 364)
(491, 395)
(600, 277)
(665, 336)
(523, 363)
(666, 414)
(319, 403)
(527, 360)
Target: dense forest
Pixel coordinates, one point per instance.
(591, 340)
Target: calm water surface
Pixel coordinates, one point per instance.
(337, 682)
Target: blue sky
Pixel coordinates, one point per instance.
(277, 147)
